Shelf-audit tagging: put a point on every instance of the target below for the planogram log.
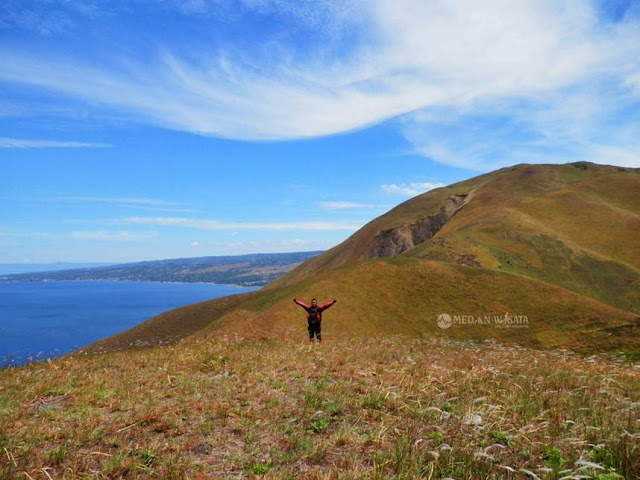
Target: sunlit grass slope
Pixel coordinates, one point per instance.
(558, 244)
(377, 408)
(576, 226)
(405, 296)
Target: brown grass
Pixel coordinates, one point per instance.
(405, 296)
(352, 408)
(570, 225)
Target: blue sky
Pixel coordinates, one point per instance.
(153, 129)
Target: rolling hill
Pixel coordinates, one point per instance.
(575, 226)
(556, 245)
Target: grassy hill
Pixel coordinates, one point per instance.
(575, 226)
(536, 268)
(557, 244)
(404, 296)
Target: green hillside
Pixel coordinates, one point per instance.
(378, 298)
(576, 226)
(557, 244)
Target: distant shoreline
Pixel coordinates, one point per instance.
(124, 280)
(254, 270)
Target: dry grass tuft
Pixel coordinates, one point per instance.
(351, 408)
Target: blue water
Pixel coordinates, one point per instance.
(47, 319)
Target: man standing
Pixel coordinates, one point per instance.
(314, 317)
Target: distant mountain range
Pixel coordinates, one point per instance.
(247, 270)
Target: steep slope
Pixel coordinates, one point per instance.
(576, 226)
(380, 298)
(424, 206)
(557, 244)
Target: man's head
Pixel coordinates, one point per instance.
(314, 302)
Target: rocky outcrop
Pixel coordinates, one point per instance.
(394, 241)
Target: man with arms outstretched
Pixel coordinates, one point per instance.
(314, 317)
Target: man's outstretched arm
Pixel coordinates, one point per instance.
(326, 305)
(302, 304)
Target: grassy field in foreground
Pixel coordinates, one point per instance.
(351, 408)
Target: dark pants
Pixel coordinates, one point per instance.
(315, 328)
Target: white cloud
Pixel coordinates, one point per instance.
(162, 209)
(263, 246)
(572, 124)
(121, 200)
(195, 244)
(410, 55)
(410, 189)
(344, 205)
(216, 225)
(422, 54)
(122, 235)
(16, 234)
(625, 157)
(139, 203)
(6, 142)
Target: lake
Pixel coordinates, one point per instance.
(47, 319)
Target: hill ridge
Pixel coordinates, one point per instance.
(531, 239)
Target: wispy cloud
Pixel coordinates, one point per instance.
(569, 125)
(18, 234)
(344, 205)
(216, 225)
(294, 244)
(122, 235)
(132, 202)
(7, 142)
(410, 189)
(151, 202)
(626, 157)
(45, 18)
(461, 56)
